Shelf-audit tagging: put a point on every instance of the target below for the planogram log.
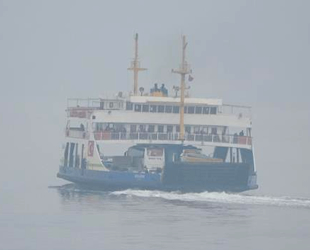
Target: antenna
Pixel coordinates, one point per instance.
(135, 67)
(183, 71)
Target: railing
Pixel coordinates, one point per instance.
(231, 139)
(77, 134)
(240, 111)
(83, 103)
(78, 107)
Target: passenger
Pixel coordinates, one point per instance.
(156, 89)
(235, 140)
(164, 90)
(141, 128)
(241, 133)
(83, 163)
(82, 127)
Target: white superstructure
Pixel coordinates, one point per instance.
(109, 126)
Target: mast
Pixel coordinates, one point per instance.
(135, 67)
(183, 71)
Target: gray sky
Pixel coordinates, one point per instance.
(247, 52)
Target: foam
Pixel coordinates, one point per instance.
(215, 197)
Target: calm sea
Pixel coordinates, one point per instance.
(35, 214)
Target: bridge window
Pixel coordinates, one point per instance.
(129, 106)
(153, 108)
(176, 109)
(138, 107)
(111, 104)
(177, 128)
(145, 108)
(160, 129)
(205, 110)
(168, 109)
(191, 110)
(213, 110)
(198, 110)
(161, 109)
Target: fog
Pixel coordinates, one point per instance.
(247, 52)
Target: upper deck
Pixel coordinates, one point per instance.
(150, 119)
(156, 115)
(166, 110)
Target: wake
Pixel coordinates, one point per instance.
(214, 197)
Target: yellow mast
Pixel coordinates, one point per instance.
(183, 71)
(135, 67)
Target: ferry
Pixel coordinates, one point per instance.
(161, 139)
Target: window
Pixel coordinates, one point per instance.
(188, 129)
(214, 131)
(198, 110)
(160, 129)
(197, 130)
(155, 152)
(177, 128)
(66, 155)
(169, 129)
(191, 110)
(161, 109)
(205, 110)
(135, 152)
(168, 109)
(142, 128)
(129, 106)
(138, 107)
(185, 110)
(213, 110)
(205, 130)
(71, 154)
(176, 109)
(151, 129)
(133, 128)
(153, 108)
(145, 108)
(110, 105)
(77, 157)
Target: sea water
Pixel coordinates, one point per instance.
(69, 217)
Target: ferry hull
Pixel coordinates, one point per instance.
(111, 180)
(175, 177)
(232, 177)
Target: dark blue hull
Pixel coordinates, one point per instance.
(183, 177)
